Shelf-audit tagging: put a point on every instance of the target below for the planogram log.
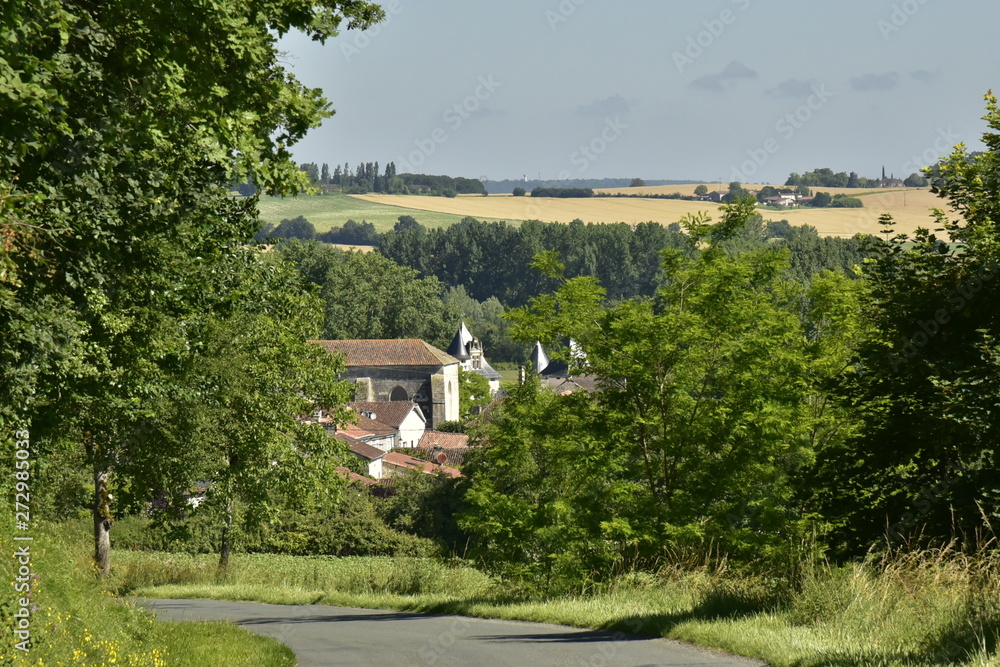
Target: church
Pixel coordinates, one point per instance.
(401, 370)
(469, 352)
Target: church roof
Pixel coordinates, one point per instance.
(397, 352)
(487, 371)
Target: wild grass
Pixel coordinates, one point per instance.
(75, 621)
(930, 608)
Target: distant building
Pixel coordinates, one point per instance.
(397, 463)
(469, 352)
(401, 370)
(556, 375)
(405, 418)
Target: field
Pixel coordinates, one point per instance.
(328, 211)
(909, 207)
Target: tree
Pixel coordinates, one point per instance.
(129, 127)
(296, 228)
(709, 408)
(701, 191)
(853, 181)
(473, 394)
(925, 464)
(821, 200)
(637, 183)
(518, 192)
(916, 181)
(766, 192)
(366, 295)
(405, 222)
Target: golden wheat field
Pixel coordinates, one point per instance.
(909, 208)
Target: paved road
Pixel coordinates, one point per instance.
(326, 636)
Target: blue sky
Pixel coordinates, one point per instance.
(726, 90)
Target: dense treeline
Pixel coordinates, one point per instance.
(563, 193)
(367, 177)
(826, 178)
(487, 258)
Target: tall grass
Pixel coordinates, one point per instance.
(930, 608)
(75, 621)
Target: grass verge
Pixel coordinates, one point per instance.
(74, 621)
(934, 608)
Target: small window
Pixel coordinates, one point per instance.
(398, 394)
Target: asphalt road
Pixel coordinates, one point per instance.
(326, 636)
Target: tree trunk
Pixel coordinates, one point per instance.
(225, 546)
(102, 520)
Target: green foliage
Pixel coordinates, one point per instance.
(124, 127)
(367, 296)
(821, 200)
(352, 233)
(295, 228)
(924, 467)
(488, 259)
(473, 394)
(710, 405)
(486, 320)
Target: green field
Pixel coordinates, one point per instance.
(328, 211)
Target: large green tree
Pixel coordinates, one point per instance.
(124, 124)
(709, 407)
(925, 465)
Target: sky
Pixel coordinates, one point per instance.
(718, 90)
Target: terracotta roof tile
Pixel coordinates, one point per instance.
(401, 352)
(389, 413)
(431, 439)
(365, 427)
(413, 463)
(355, 477)
(361, 449)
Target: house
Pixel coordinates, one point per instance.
(371, 433)
(352, 476)
(556, 375)
(401, 370)
(718, 196)
(405, 418)
(469, 352)
(397, 463)
(372, 456)
(782, 200)
(445, 448)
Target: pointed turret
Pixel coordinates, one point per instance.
(458, 347)
(539, 360)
